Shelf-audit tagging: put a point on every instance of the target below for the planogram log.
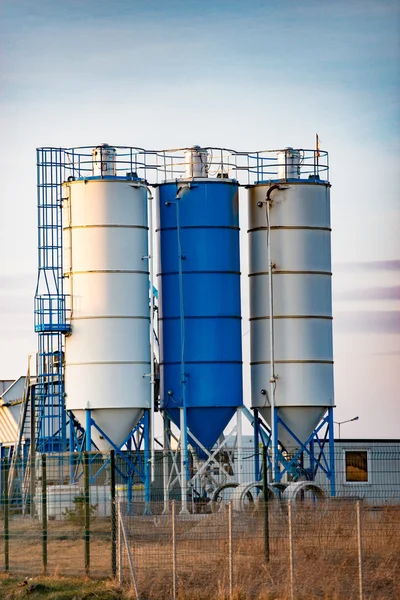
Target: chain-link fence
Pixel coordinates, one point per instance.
(80, 513)
(334, 549)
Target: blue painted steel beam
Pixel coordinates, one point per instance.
(88, 430)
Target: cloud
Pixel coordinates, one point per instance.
(375, 322)
(368, 266)
(371, 293)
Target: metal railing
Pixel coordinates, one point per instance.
(158, 166)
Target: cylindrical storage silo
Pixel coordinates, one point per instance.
(107, 355)
(302, 306)
(199, 286)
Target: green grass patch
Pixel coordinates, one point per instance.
(58, 588)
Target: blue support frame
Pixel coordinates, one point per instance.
(319, 448)
(138, 467)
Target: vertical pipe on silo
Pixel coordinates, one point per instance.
(272, 380)
(183, 420)
(152, 375)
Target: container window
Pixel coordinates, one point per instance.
(356, 465)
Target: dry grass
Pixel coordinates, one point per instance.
(325, 549)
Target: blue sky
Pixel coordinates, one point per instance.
(247, 75)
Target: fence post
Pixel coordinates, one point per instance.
(6, 518)
(291, 550)
(230, 544)
(44, 513)
(87, 511)
(119, 543)
(174, 581)
(360, 556)
(266, 506)
(113, 516)
(32, 457)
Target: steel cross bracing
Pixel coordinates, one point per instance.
(202, 480)
(315, 454)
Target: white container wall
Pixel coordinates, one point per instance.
(107, 355)
(302, 305)
(60, 501)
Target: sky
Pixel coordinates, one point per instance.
(245, 75)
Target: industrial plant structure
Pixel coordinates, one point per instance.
(118, 341)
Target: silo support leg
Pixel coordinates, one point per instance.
(88, 427)
(147, 474)
(239, 446)
(276, 474)
(331, 452)
(88, 439)
(256, 442)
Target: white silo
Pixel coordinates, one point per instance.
(292, 357)
(105, 251)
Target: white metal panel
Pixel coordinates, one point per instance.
(120, 339)
(109, 386)
(107, 355)
(296, 339)
(95, 203)
(109, 249)
(299, 204)
(110, 295)
(300, 384)
(293, 295)
(294, 250)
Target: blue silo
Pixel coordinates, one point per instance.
(200, 313)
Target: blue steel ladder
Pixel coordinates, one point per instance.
(50, 305)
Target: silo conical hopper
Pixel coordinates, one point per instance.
(105, 252)
(302, 307)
